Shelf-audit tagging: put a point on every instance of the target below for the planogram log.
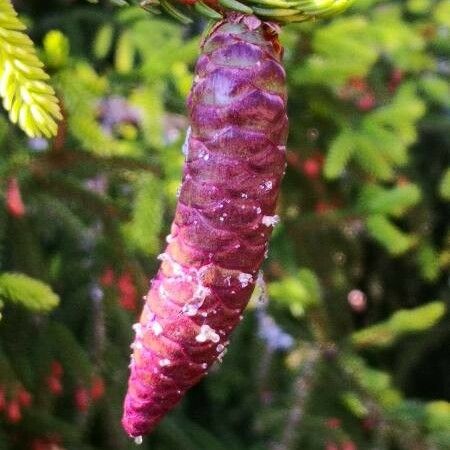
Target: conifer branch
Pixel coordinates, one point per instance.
(30, 101)
(31, 293)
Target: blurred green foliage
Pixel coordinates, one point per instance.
(32, 294)
(349, 352)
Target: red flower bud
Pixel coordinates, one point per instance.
(39, 444)
(395, 80)
(128, 293)
(366, 102)
(128, 302)
(56, 369)
(331, 446)
(312, 167)
(97, 388)
(333, 423)
(82, 399)
(45, 444)
(51, 442)
(13, 412)
(397, 75)
(107, 277)
(2, 399)
(54, 385)
(24, 397)
(14, 203)
(348, 445)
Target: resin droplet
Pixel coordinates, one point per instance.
(220, 348)
(207, 334)
(245, 279)
(157, 328)
(190, 310)
(267, 185)
(185, 147)
(270, 221)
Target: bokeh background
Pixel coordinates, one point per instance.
(345, 347)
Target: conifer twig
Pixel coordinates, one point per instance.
(30, 101)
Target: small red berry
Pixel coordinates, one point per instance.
(54, 385)
(333, 423)
(51, 442)
(45, 444)
(311, 167)
(14, 203)
(395, 80)
(97, 388)
(128, 293)
(24, 397)
(397, 75)
(56, 369)
(348, 445)
(2, 399)
(13, 412)
(82, 399)
(366, 102)
(107, 277)
(39, 444)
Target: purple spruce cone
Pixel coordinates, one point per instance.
(235, 160)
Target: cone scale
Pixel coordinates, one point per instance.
(235, 160)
